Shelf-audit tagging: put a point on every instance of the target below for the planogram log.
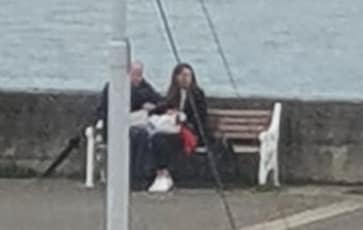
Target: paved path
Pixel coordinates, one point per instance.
(66, 205)
(350, 221)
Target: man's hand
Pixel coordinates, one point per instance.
(99, 124)
(171, 111)
(149, 106)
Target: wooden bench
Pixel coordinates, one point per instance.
(250, 131)
(245, 131)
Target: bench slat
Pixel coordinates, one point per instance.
(237, 120)
(241, 128)
(201, 149)
(237, 149)
(233, 112)
(245, 149)
(236, 135)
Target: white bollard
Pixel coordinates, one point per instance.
(90, 164)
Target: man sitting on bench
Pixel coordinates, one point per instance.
(143, 97)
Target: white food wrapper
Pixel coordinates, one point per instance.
(139, 118)
(165, 123)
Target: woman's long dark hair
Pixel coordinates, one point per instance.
(173, 95)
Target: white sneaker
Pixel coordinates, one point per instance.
(161, 184)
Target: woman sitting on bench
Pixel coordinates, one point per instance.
(186, 99)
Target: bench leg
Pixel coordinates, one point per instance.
(269, 160)
(262, 168)
(264, 164)
(268, 163)
(103, 176)
(89, 183)
(264, 172)
(276, 175)
(102, 164)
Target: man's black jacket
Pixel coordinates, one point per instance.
(140, 95)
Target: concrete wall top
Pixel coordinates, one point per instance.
(291, 49)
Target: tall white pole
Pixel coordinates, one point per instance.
(117, 197)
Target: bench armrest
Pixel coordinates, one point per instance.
(269, 148)
(99, 124)
(274, 129)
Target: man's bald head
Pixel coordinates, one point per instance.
(136, 72)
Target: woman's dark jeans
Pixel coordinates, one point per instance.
(164, 147)
(149, 153)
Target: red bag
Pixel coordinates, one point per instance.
(190, 141)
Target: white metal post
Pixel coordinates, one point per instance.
(117, 197)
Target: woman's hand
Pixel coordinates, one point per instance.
(182, 117)
(148, 106)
